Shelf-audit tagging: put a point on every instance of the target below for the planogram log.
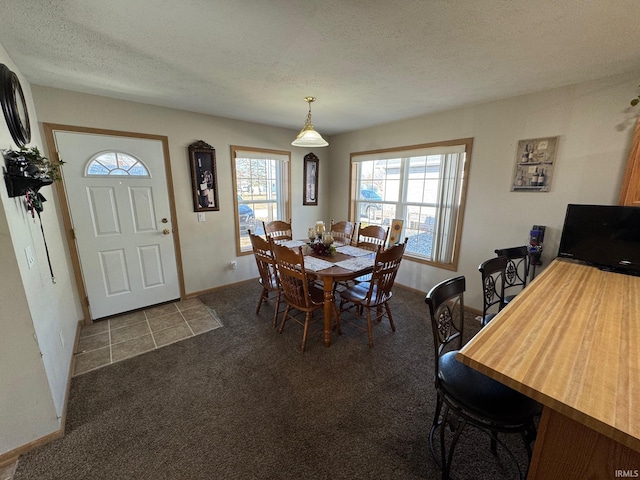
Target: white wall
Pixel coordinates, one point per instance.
(35, 313)
(595, 127)
(207, 247)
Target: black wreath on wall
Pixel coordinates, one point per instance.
(14, 107)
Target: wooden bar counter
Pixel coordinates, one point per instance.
(571, 340)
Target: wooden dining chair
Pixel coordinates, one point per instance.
(375, 293)
(466, 397)
(268, 273)
(342, 232)
(493, 273)
(299, 293)
(371, 237)
(517, 271)
(278, 230)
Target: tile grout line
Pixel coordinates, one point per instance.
(153, 338)
(110, 345)
(188, 326)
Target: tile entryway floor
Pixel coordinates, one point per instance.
(6, 472)
(124, 336)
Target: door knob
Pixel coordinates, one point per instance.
(164, 220)
(166, 231)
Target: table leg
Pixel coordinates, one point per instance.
(328, 308)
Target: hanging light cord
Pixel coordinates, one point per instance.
(34, 203)
(308, 121)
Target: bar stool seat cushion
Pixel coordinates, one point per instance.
(478, 393)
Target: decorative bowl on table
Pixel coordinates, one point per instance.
(321, 248)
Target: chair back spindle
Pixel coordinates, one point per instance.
(384, 273)
(371, 237)
(342, 232)
(446, 309)
(493, 272)
(292, 275)
(278, 230)
(517, 271)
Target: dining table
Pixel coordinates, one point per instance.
(346, 263)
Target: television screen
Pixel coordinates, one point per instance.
(607, 236)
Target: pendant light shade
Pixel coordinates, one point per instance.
(308, 137)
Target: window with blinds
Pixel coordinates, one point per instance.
(422, 185)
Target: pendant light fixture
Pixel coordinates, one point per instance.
(308, 137)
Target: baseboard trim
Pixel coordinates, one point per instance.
(5, 462)
(212, 290)
(12, 456)
(473, 311)
(72, 367)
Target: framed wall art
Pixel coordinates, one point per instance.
(14, 106)
(204, 180)
(310, 179)
(534, 164)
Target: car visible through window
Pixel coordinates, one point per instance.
(368, 209)
(246, 216)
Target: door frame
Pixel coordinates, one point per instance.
(49, 128)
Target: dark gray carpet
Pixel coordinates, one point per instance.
(242, 402)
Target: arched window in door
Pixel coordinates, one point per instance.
(105, 164)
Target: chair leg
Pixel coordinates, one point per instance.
(284, 318)
(369, 328)
(342, 301)
(528, 437)
(436, 423)
(458, 423)
(446, 464)
(264, 295)
(393, 327)
(336, 314)
(443, 453)
(307, 318)
(275, 314)
(494, 442)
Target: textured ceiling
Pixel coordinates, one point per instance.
(367, 61)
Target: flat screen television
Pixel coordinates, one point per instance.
(606, 236)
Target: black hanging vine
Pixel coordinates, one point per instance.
(25, 172)
(34, 201)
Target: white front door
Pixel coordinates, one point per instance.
(121, 220)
